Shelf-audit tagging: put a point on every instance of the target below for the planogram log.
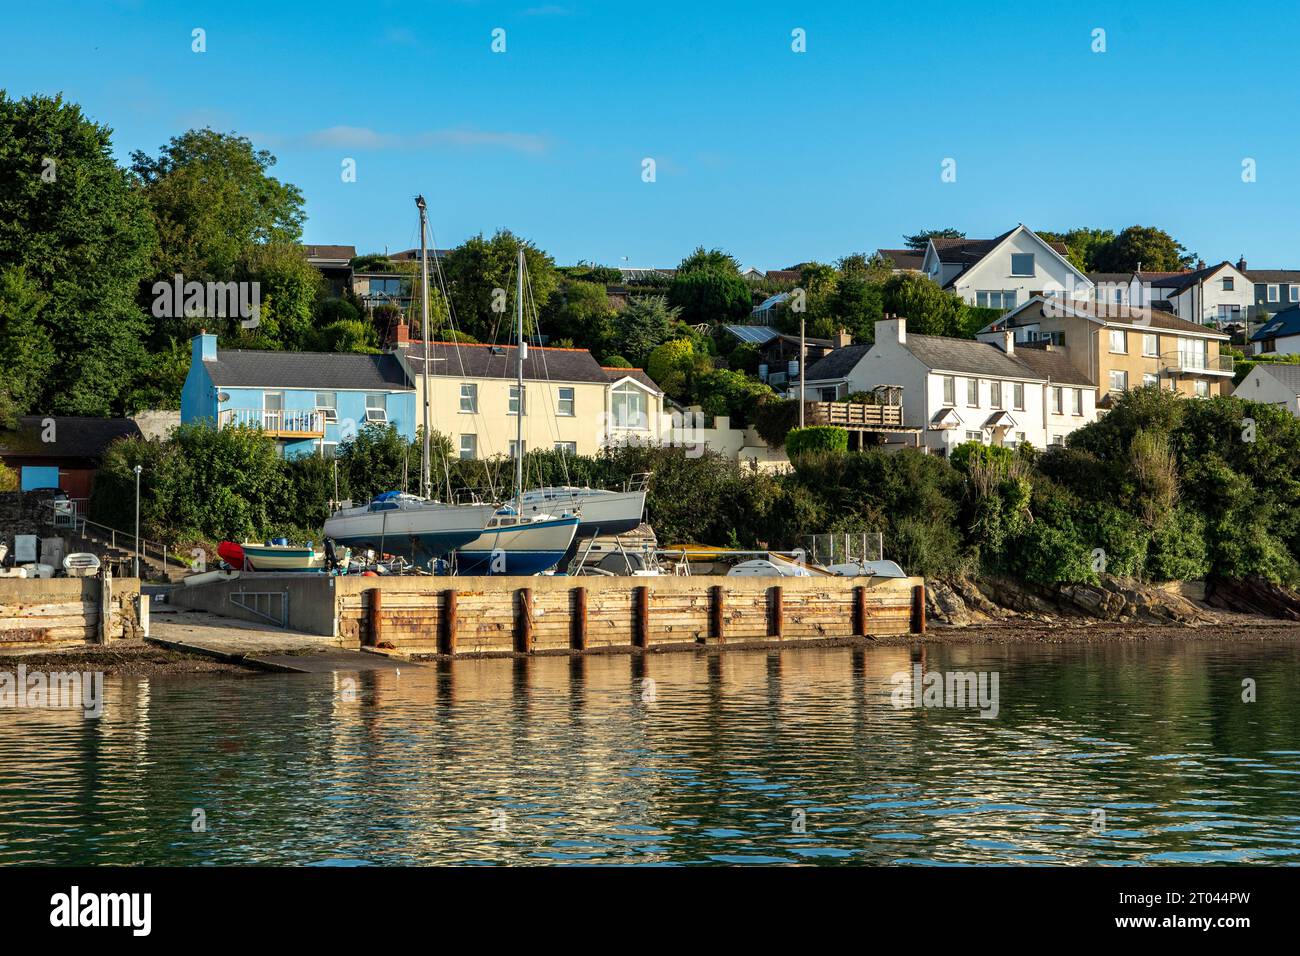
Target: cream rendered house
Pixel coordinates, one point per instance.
(1004, 272)
(570, 403)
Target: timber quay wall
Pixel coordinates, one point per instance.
(495, 615)
(65, 612)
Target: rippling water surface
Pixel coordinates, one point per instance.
(676, 758)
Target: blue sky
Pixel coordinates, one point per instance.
(776, 156)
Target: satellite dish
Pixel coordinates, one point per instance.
(223, 396)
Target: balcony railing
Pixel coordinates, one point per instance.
(274, 421)
(1196, 363)
(853, 415)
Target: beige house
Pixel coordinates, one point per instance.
(1121, 347)
(570, 403)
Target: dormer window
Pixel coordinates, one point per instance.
(1022, 263)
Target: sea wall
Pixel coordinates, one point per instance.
(62, 612)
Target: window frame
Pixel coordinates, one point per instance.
(572, 401)
(472, 397)
(1032, 263)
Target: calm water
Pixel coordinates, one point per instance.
(560, 761)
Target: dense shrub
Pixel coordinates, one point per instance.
(816, 438)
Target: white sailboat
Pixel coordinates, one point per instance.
(420, 528)
(520, 539)
(603, 512)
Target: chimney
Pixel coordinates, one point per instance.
(842, 338)
(203, 347)
(1241, 264)
(892, 329)
(403, 340)
(1009, 341)
(1200, 264)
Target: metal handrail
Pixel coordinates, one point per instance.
(142, 547)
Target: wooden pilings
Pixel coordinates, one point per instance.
(375, 634)
(859, 611)
(578, 623)
(717, 612)
(524, 622)
(447, 636)
(776, 614)
(918, 609)
(641, 618)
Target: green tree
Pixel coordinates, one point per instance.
(920, 239)
(290, 289)
(711, 296)
(83, 236)
(479, 266)
(581, 311)
(212, 197)
(709, 260)
(928, 309)
(1085, 245)
(641, 325)
(26, 352)
(1154, 250)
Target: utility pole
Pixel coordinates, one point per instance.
(426, 482)
(138, 469)
(803, 351)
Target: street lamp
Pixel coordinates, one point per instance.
(138, 469)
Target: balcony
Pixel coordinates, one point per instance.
(276, 423)
(1196, 363)
(854, 415)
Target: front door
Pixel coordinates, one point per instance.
(272, 410)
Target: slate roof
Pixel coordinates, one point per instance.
(614, 374)
(1279, 326)
(74, 437)
(837, 364)
(498, 361)
(1051, 365)
(330, 252)
(1285, 373)
(903, 258)
(238, 368)
(965, 356)
(1273, 275)
(971, 251)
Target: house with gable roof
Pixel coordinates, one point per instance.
(1006, 271)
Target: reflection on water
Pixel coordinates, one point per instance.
(676, 758)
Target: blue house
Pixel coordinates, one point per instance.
(307, 401)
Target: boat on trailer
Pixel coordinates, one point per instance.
(408, 526)
(603, 512)
(515, 544)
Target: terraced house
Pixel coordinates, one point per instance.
(308, 402)
(1123, 347)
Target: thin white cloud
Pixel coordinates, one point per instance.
(363, 137)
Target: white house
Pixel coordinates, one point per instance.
(1280, 335)
(1272, 385)
(1004, 272)
(960, 390)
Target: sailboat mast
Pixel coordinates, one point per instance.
(522, 354)
(426, 483)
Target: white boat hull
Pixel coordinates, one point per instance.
(520, 549)
(419, 532)
(602, 512)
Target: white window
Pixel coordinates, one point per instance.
(1022, 263)
(1227, 283)
(567, 448)
(975, 436)
(1058, 400)
(995, 394)
(627, 405)
(1118, 341)
(1078, 401)
(1021, 438)
(515, 446)
(469, 397)
(514, 400)
(1118, 380)
(949, 390)
(1150, 378)
(329, 449)
(326, 404)
(376, 408)
(1150, 345)
(1202, 389)
(1018, 396)
(972, 391)
(1294, 293)
(996, 298)
(1058, 441)
(468, 447)
(565, 403)
(1273, 294)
